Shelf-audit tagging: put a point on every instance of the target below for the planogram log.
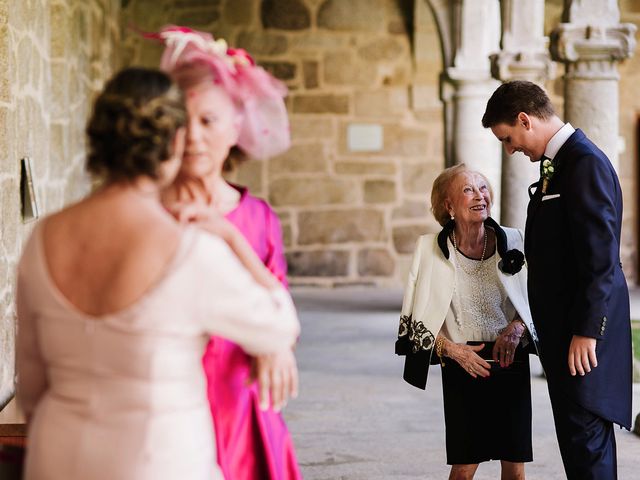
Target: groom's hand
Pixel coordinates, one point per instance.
(582, 355)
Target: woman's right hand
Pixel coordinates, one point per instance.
(204, 216)
(467, 358)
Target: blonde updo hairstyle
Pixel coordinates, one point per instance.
(441, 189)
(133, 124)
(199, 74)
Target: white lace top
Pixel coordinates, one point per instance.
(480, 308)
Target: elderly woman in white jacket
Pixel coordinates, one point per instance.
(466, 307)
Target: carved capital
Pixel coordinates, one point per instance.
(535, 67)
(571, 43)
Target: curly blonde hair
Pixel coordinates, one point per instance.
(133, 124)
(441, 186)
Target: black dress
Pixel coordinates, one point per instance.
(488, 418)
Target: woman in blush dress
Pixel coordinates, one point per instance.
(232, 103)
(116, 301)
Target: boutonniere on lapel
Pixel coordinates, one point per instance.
(548, 169)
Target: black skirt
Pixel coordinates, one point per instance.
(488, 418)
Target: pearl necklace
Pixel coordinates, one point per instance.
(461, 264)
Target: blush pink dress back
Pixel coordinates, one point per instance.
(122, 395)
(252, 444)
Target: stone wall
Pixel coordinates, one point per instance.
(353, 217)
(54, 54)
(348, 216)
(630, 147)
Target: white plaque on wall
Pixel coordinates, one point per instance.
(364, 137)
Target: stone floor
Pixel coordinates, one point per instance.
(356, 419)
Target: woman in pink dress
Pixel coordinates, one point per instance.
(116, 301)
(231, 102)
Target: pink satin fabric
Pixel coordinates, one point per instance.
(252, 444)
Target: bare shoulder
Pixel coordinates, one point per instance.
(104, 255)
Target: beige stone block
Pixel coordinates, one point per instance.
(321, 104)
(308, 191)
(283, 214)
(425, 97)
(25, 50)
(310, 74)
(8, 164)
(4, 271)
(403, 267)
(198, 16)
(194, 3)
(359, 15)
(419, 177)
(405, 237)
(282, 70)
(395, 75)
(375, 262)
(307, 127)
(79, 28)
(341, 226)
(150, 56)
(285, 14)
(396, 26)
(318, 263)
(250, 175)
(10, 218)
(6, 70)
(240, 12)
(60, 153)
(381, 103)
(302, 158)
(60, 101)
(365, 168)
(287, 236)
(76, 187)
(262, 43)
(318, 41)
(412, 209)
(383, 49)
(60, 40)
(7, 349)
(397, 141)
(379, 191)
(405, 141)
(341, 68)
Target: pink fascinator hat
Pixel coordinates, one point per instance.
(259, 96)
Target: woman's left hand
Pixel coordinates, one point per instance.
(504, 349)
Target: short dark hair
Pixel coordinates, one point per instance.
(514, 97)
(133, 124)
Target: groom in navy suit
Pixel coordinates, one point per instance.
(577, 291)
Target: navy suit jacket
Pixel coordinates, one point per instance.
(576, 284)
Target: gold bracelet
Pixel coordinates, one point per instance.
(439, 349)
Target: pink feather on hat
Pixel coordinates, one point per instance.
(265, 124)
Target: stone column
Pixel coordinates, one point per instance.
(591, 42)
(524, 56)
(475, 36)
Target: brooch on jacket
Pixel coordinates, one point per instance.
(511, 261)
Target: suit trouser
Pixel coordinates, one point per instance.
(587, 441)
